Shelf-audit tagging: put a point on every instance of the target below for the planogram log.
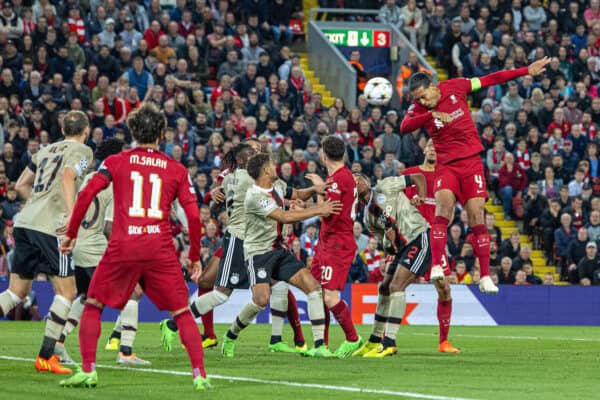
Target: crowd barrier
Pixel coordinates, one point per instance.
(514, 305)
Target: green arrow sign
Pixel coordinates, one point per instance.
(357, 37)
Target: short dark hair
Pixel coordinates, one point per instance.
(334, 148)
(256, 164)
(108, 147)
(147, 123)
(419, 80)
(74, 123)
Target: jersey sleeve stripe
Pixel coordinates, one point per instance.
(32, 166)
(107, 174)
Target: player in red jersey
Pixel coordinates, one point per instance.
(427, 210)
(444, 112)
(140, 249)
(336, 248)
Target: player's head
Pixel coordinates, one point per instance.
(423, 90)
(76, 124)
(254, 143)
(429, 151)
(363, 183)
(333, 149)
(262, 166)
(241, 154)
(108, 147)
(147, 124)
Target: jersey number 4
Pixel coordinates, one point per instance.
(137, 210)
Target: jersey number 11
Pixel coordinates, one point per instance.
(137, 210)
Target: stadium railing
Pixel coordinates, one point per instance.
(334, 71)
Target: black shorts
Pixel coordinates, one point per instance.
(279, 264)
(83, 277)
(232, 273)
(37, 252)
(415, 256)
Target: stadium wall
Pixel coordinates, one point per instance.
(514, 305)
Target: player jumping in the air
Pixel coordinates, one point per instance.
(266, 256)
(336, 248)
(390, 214)
(93, 234)
(427, 210)
(145, 184)
(49, 183)
(444, 112)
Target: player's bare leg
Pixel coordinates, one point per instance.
(260, 298)
(444, 312)
(382, 313)
(206, 282)
(481, 247)
(65, 292)
(129, 322)
(402, 278)
(201, 308)
(339, 308)
(444, 211)
(64, 289)
(279, 306)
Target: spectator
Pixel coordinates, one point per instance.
(576, 250)
(391, 14)
(358, 270)
(11, 205)
(548, 279)
(521, 278)
(512, 102)
(588, 268)
(374, 260)
(593, 226)
(549, 186)
(523, 257)
(529, 276)
(462, 274)
(562, 236)
(512, 181)
(576, 185)
(506, 275)
(534, 204)
(362, 240)
(414, 26)
(511, 247)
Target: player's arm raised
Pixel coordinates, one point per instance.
(415, 119)
(496, 78)
(318, 188)
(322, 209)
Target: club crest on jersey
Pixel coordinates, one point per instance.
(380, 198)
(261, 273)
(438, 124)
(453, 99)
(334, 187)
(235, 279)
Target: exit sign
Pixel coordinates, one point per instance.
(357, 37)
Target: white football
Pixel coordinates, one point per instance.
(378, 91)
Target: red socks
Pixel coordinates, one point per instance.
(481, 248)
(444, 311)
(327, 323)
(438, 238)
(89, 332)
(207, 319)
(294, 319)
(191, 339)
(342, 315)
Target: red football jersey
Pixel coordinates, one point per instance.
(343, 188)
(458, 139)
(145, 184)
(427, 209)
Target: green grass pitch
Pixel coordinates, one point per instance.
(496, 363)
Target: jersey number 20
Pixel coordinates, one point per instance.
(137, 209)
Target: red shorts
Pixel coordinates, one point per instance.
(465, 178)
(163, 283)
(332, 262)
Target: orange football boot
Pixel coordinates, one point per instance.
(446, 347)
(51, 365)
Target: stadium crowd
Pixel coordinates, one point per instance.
(223, 71)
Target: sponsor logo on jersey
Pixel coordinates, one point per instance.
(143, 230)
(334, 188)
(380, 198)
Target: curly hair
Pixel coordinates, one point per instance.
(147, 123)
